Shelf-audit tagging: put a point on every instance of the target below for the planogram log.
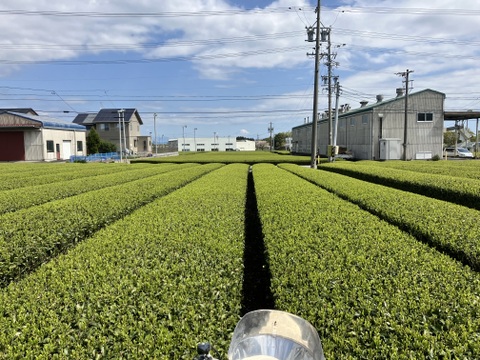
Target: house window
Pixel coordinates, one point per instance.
(79, 146)
(50, 146)
(364, 119)
(352, 122)
(134, 142)
(105, 127)
(423, 117)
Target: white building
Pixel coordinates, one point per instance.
(228, 143)
(26, 136)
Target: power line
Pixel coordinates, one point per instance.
(415, 11)
(163, 14)
(176, 43)
(146, 61)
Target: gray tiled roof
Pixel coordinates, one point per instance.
(111, 115)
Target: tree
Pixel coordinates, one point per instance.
(242, 138)
(106, 147)
(449, 138)
(93, 141)
(261, 144)
(280, 140)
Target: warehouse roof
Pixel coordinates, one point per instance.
(35, 121)
(461, 115)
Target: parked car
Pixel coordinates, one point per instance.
(461, 152)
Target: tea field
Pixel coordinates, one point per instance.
(143, 261)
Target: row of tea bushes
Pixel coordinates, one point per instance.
(24, 197)
(371, 290)
(10, 179)
(32, 236)
(150, 286)
(448, 227)
(466, 169)
(454, 189)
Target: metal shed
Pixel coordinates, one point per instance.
(360, 131)
(28, 137)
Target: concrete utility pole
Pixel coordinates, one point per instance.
(184, 126)
(329, 64)
(155, 131)
(122, 113)
(270, 130)
(120, 133)
(476, 140)
(194, 140)
(311, 32)
(337, 96)
(405, 74)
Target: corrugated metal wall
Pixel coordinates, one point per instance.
(360, 131)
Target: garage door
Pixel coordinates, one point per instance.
(12, 146)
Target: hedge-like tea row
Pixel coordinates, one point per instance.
(458, 190)
(371, 290)
(150, 286)
(20, 198)
(32, 236)
(62, 172)
(229, 157)
(449, 227)
(467, 169)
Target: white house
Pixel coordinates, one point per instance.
(26, 136)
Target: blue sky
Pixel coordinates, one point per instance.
(228, 67)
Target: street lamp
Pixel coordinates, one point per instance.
(194, 140)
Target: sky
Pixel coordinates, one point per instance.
(230, 67)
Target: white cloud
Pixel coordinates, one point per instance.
(227, 51)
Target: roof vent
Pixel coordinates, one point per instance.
(399, 92)
(379, 98)
(363, 103)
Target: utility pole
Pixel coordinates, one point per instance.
(337, 96)
(311, 32)
(155, 132)
(120, 133)
(405, 74)
(194, 140)
(270, 130)
(476, 140)
(122, 114)
(329, 64)
(184, 126)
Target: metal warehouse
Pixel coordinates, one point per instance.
(28, 136)
(376, 131)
